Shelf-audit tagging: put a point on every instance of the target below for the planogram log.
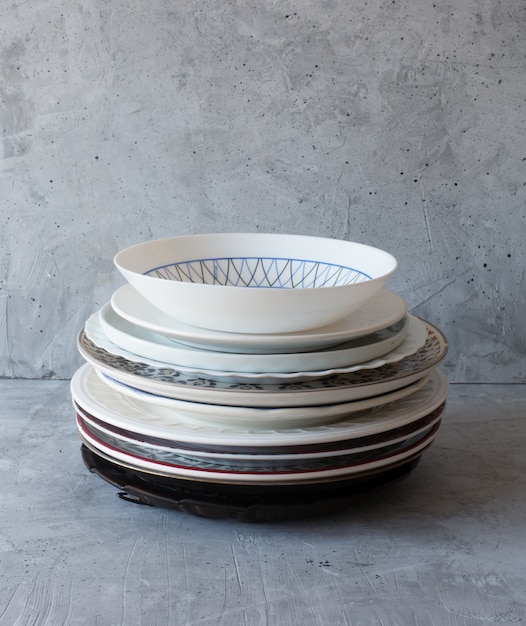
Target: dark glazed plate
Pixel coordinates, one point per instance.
(245, 502)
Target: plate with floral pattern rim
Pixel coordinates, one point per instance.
(256, 464)
(128, 441)
(339, 360)
(381, 311)
(103, 402)
(254, 417)
(107, 330)
(270, 477)
(332, 389)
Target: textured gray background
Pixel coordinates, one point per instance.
(391, 122)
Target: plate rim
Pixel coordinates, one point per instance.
(258, 415)
(285, 394)
(111, 409)
(405, 342)
(271, 478)
(184, 332)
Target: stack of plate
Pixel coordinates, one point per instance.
(256, 426)
(174, 403)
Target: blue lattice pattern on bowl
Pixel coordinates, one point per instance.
(273, 272)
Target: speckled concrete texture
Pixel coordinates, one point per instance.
(391, 122)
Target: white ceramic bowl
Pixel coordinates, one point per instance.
(255, 282)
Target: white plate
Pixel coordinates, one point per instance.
(256, 464)
(382, 311)
(118, 336)
(364, 383)
(104, 402)
(268, 368)
(217, 475)
(120, 438)
(252, 417)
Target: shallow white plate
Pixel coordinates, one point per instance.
(337, 388)
(121, 438)
(382, 311)
(255, 464)
(267, 368)
(104, 402)
(252, 417)
(118, 336)
(272, 477)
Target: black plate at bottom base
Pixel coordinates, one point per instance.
(247, 503)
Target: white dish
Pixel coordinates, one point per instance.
(382, 311)
(108, 330)
(270, 477)
(102, 401)
(120, 438)
(252, 417)
(255, 282)
(268, 368)
(257, 466)
(333, 389)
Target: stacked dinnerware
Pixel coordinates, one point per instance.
(256, 376)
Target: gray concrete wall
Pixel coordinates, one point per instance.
(391, 122)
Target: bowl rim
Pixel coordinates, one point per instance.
(123, 257)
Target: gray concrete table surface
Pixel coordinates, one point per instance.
(445, 546)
